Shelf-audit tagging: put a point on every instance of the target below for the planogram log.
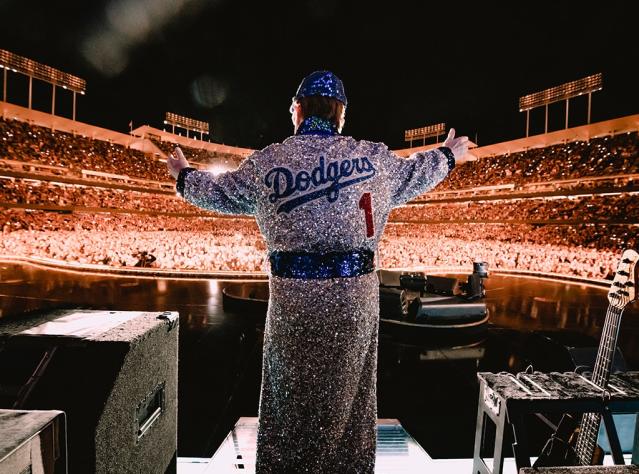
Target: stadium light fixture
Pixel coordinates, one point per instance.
(424, 133)
(567, 91)
(42, 72)
(188, 123)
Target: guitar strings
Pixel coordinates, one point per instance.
(590, 422)
(586, 441)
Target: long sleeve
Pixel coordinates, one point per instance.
(232, 192)
(412, 176)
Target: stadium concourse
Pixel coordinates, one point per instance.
(560, 203)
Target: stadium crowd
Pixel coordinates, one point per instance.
(21, 191)
(118, 239)
(609, 155)
(587, 208)
(433, 251)
(235, 244)
(31, 143)
(203, 241)
(199, 155)
(602, 156)
(622, 207)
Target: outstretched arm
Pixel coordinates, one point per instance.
(231, 192)
(422, 171)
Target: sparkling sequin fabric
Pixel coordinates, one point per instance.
(318, 403)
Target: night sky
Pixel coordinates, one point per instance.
(236, 64)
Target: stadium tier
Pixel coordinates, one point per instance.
(566, 208)
(618, 208)
(202, 156)
(20, 141)
(579, 159)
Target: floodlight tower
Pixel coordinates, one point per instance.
(35, 70)
(189, 124)
(567, 91)
(424, 133)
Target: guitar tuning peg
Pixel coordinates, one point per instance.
(626, 260)
(630, 284)
(623, 273)
(624, 293)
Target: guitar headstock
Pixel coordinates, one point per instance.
(623, 287)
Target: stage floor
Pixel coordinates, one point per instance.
(397, 453)
(429, 386)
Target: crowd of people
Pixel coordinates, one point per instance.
(621, 207)
(609, 155)
(31, 143)
(236, 244)
(29, 191)
(598, 207)
(602, 156)
(121, 239)
(199, 155)
(119, 235)
(431, 250)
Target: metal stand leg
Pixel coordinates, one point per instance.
(613, 438)
(501, 435)
(499, 417)
(520, 438)
(635, 445)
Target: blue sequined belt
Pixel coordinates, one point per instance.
(307, 265)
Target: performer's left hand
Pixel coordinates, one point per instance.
(458, 145)
(175, 162)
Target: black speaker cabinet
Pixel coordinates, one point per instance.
(114, 374)
(33, 441)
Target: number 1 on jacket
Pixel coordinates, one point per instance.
(366, 204)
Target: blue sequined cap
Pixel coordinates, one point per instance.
(323, 83)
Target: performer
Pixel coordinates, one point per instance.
(321, 200)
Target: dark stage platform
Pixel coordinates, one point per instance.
(430, 387)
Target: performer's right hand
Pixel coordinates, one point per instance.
(175, 162)
(459, 145)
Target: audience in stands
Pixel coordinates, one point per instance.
(24, 142)
(235, 244)
(622, 207)
(21, 191)
(602, 156)
(199, 155)
(204, 241)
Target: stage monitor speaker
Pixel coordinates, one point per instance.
(114, 374)
(33, 441)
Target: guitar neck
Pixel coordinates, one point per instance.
(589, 428)
(607, 347)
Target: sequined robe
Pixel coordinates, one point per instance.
(318, 405)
